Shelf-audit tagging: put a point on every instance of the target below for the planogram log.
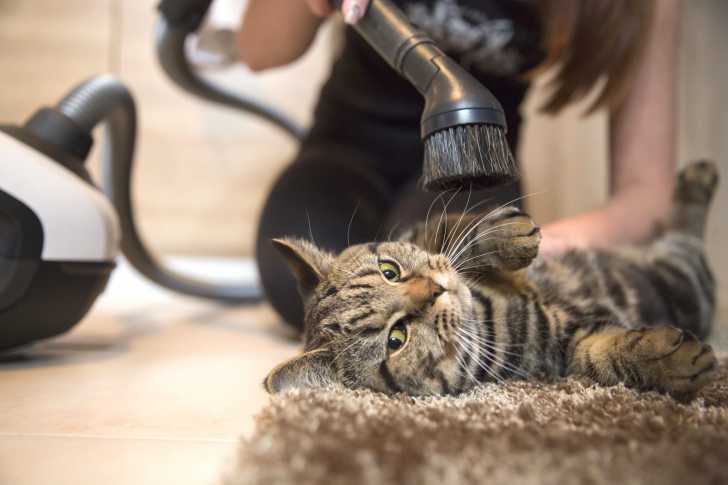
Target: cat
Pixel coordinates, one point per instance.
(466, 300)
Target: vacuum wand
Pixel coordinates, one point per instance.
(463, 125)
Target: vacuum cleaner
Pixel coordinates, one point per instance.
(60, 235)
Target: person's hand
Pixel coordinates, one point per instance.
(353, 10)
(624, 220)
(561, 236)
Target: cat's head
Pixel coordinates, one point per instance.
(385, 316)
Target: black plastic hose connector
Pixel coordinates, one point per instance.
(184, 14)
(453, 97)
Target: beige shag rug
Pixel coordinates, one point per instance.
(567, 432)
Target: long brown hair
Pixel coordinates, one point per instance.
(593, 42)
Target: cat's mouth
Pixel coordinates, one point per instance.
(448, 311)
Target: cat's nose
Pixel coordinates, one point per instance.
(436, 289)
(422, 290)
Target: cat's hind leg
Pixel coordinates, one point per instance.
(694, 189)
(676, 265)
(663, 358)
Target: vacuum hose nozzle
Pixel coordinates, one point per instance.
(463, 124)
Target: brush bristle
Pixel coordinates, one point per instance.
(476, 156)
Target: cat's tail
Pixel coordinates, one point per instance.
(694, 189)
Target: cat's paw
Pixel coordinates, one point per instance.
(697, 182)
(513, 238)
(670, 360)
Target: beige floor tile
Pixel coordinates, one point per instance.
(150, 388)
(132, 376)
(60, 460)
(146, 364)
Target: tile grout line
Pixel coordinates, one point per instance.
(117, 438)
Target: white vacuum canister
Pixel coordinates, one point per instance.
(59, 238)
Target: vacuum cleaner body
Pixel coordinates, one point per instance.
(59, 238)
(59, 234)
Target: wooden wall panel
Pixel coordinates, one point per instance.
(47, 47)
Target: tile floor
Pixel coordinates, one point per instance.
(151, 388)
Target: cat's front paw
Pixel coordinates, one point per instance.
(670, 360)
(512, 238)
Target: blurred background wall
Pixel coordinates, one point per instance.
(202, 172)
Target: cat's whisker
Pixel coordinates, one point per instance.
(467, 233)
(475, 221)
(510, 368)
(495, 210)
(501, 362)
(480, 237)
(443, 216)
(487, 368)
(493, 347)
(310, 229)
(348, 226)
(462, 364)
(490, 231)
(473, 333)
(429, 209)
(517, 199)
(478, 355)
(473, 269)
(341, 352)
(461, 264)
(472, 225)
(467, 230)
(457, 225)
(391, 231)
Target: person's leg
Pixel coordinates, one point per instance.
(329, 195)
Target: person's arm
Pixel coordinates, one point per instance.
(274, 33)
(642, 151)
(643, 130)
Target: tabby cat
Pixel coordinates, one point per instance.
(465, 300)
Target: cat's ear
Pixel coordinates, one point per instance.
(313, 369)
(308, 263)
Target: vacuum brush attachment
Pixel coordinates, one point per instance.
(463, 125)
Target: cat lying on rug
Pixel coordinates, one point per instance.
(466, 301)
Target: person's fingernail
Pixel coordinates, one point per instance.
(353, 12)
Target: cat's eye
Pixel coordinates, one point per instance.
(390, 271)
(397, 336)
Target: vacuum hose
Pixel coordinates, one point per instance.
(104, 99)
(181, 18)
(170, 41)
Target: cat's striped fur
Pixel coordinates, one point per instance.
(478, 305)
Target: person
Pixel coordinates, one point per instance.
(354, 178)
